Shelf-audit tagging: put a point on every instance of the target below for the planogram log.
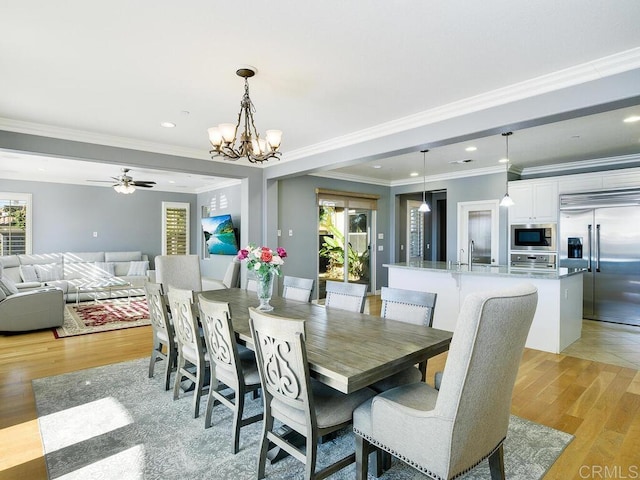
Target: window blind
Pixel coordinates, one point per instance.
(333, 198)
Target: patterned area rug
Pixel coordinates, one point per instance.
(90, 317)
(115, 422)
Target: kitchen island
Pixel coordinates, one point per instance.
(558, 319)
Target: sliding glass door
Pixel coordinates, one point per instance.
(344, 246)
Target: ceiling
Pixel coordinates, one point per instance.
(112, 72)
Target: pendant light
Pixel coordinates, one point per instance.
(424, 207)
(506, 200)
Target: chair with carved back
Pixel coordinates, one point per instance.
(164, 343)
(227, 367)
(291, 397)
(297, 288)
(448, 432)
(345, 296)
(192, 353)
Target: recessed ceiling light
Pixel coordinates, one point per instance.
(632, 118)
(471, 149)
(503, 160)
(413, 174)
(167, 124)
(376, 166)
(172, 181)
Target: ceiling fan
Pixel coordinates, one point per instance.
(126, 184)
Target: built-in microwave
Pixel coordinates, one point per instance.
(538, 236)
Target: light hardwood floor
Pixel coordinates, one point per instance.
(597, 402)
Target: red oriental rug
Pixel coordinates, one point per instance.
(90, 317)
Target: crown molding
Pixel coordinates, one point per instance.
(230, 182)
(410, 181)
(31, 128)
(585, 72)
(593, 164)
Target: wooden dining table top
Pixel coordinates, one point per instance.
(345, 350)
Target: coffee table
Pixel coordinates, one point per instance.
(103, 285)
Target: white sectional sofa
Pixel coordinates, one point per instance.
(67, 270)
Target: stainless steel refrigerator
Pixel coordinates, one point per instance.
(601, 232)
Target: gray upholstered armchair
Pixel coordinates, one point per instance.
(448, 432)
(32, 310)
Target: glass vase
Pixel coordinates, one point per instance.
(264, 290)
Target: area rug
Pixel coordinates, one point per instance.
(90, 317)
(115, 422)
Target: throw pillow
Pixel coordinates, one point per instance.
(8, 286)
(28, 273)
(2, 295)
(105, 269)
(138, 269)
(49, 272)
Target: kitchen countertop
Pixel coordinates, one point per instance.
(480, 269)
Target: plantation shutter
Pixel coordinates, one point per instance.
(175, 228)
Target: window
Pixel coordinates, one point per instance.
(15, 223)
(175, 228)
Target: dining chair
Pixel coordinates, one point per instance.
(407, 306)
(345, 296)
(164, 343)
(239, 375)
(293, 398)
(191, 348)
(178, 271)
(448, 432)
(297, 288)
(230, 279)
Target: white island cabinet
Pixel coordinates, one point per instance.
(558, 319)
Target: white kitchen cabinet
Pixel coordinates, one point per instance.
(534, 202)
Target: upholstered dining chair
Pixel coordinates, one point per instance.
(407, 306)
(297, 288)
(191, 348)
(164, 343)
(345, 296)
(178, 271)
(230, 279)
(240, 375)
(448, 432)
(290, 396)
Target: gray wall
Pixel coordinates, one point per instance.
(297, 211)
(65, 217)
(227, 200)
(484, 187)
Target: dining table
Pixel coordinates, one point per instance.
(345, 350)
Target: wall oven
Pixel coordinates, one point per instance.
(534, 237)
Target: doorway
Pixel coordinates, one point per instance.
(478, 232)
(344, 253)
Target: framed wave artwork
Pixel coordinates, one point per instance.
(220, 236)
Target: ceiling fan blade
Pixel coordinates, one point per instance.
(142, 183)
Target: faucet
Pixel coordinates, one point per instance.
(471, 248)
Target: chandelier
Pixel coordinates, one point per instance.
(250, 144)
